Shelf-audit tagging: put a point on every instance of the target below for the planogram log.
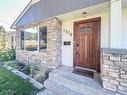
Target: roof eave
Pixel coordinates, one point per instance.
(21, 14)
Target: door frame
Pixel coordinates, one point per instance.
(98, 19)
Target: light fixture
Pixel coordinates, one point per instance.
(84, 14)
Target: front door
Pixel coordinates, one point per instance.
(87, 44)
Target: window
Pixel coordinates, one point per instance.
(42, 38)
(34, 39)
(86, 29)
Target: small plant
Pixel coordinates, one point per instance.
(26, 70)
(7, 55)
(33, 68)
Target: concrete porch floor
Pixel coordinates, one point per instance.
(96, 75)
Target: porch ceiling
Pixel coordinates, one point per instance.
(92, 10)
(50, 8)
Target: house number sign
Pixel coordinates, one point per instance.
(67, 32)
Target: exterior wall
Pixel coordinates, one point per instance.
(52, 56)
(124, 28)
(67, 51)
(115, 28)
(67, 58)
(114, 70)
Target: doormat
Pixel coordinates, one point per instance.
(86, 73)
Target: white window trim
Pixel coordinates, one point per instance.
(38, 49)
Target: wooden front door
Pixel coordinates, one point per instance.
(87, 44)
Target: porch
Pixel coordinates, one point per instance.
(62, 81)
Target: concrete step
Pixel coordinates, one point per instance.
(59, 89)
(75, 78)
(46, 92)
(77, 83)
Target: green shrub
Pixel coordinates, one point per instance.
(7, 55)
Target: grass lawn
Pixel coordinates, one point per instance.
(11, 84)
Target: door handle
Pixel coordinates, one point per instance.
(77, 54)
(77, 45)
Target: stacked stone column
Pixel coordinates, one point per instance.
(114, 70)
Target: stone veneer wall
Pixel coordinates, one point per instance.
(114, 70)
(51, 57)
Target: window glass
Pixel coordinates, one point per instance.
(42, 38)
(31, 39)
(22, 40)
(34, 39)
(86, 29)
